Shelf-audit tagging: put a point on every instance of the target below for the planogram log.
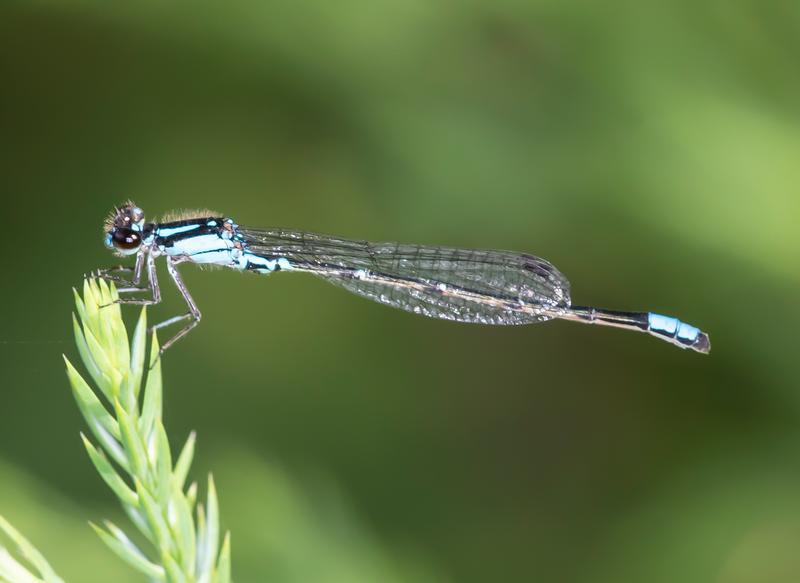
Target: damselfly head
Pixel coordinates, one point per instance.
(123, 229)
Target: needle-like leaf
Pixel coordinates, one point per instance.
(12, 570)
(128, 552)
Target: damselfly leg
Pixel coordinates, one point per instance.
(135, 285)
(193, 314)
(153, 287)
(109, 273)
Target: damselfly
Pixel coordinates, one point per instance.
(484, 287)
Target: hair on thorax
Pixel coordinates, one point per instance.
(186, 214)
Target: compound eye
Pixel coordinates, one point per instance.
(126, 239)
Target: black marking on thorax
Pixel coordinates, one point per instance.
(202, 226)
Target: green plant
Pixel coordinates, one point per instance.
(133, 457)
(154, 495)
(14, 571)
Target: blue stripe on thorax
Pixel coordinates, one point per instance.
(168, 232)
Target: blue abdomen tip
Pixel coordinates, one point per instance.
(665, 324)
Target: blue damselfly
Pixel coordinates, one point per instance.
(476, 286)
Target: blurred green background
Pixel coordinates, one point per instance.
(651, 150)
